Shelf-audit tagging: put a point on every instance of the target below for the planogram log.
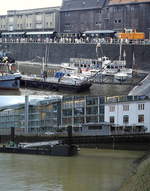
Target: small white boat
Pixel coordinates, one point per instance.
(121, 76)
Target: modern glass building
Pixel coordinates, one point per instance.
(35, 117)
(87, 115)
(84, 113)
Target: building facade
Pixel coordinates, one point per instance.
(31, 20)
(87, 115)
(36, 117)
(128, 114)
(83, 15)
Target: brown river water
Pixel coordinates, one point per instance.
(90, 170)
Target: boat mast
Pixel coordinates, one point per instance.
(120, 50)
(133, 61)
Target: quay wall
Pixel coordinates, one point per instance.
(58, 53)
(117, 142)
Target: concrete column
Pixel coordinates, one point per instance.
(26, 114)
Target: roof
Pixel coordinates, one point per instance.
(99, 32)
(40, 32)
(12, 33)
(81, 4)
(113, 2)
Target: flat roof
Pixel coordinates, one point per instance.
(99, 32)
(40, 32)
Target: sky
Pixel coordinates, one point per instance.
(10, 100)
(26, 4)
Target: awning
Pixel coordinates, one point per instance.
(12, 33)
(40, 32)
(99, 32)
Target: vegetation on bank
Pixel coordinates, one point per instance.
(140, 179)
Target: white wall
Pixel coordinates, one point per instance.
(132, 113)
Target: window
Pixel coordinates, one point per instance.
(78, 111)
(141, 106)
(92, 119)
(111, 108)
(101, 109)
(126, 107)
(101, 118)
(112, 119)
(125, 119)
(91, 110)
(92, 100)
(141, 118)
(94, 127)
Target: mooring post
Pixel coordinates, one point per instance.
(12, 134)
(69, 131)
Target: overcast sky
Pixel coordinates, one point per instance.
(26, 4)
(10, 100)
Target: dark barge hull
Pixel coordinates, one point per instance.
(57, 150)
(54, 86)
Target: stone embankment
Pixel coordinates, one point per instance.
(59, 52)
(140, 178)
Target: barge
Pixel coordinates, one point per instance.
(55, 84)
(54, 150)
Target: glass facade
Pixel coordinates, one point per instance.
(51, 115)
(80, 110)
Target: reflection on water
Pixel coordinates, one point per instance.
(91, 170)
(106, 90)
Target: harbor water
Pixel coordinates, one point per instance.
(91, 170)
(31, 68)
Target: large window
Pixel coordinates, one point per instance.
(125, 119)
(92, 100)
(91, 119)
(78, 120)
(112, 119)
(91, 110)
(78, 111)
(112, 108)
(141, 118)
(126, 107)
(141, 106)
(67, 112)
(101, 109)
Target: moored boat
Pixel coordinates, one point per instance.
(9, 77)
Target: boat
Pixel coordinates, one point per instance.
(121, 76)
(66, 79)
(9, 76)
(117, 68)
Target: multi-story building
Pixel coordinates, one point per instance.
(129, 114)
(84, 114)
(87, 115)
(83, 15)
(32, 117)
(42, 19)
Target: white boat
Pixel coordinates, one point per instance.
(9, 77)
(121, 76)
